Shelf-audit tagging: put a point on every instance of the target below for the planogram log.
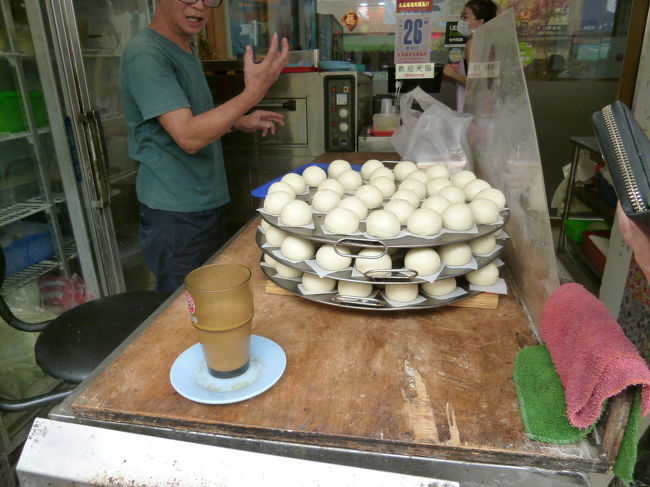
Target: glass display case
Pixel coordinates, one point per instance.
(30, 192)
(67, 186)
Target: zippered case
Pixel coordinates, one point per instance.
(626, 151)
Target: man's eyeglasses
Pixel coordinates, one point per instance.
(207, 3)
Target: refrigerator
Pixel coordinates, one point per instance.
(80, 43)
(68, 206)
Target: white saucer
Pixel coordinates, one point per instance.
(190, 377)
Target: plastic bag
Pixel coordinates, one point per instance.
(436, 135)
(60, 293)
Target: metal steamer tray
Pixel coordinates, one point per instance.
(375, 302)
(397, 275)
(319, 234)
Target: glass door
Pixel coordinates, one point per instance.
(89, 39)
(67, 198)
(42, 229)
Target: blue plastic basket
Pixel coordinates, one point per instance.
(28, 251)
(260, 191)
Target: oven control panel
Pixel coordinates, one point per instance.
(340, 111)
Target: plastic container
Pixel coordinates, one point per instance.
(303, 58)
(11, 117)
(385, 122)
(592, 252)
(575, 228)
(11, 113)
(28, 251)
(375, 133)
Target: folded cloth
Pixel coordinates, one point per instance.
(591, 354)
(627, 453)
(543, 409)
(541, 398)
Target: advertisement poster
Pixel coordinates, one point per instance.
(412, 39)
(548, 17)
(452, 37)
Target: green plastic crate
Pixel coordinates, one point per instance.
(11, 113)
(575, 228)
(11, 117)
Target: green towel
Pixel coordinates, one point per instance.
(541, 398)
(626, 459)
(543, 409)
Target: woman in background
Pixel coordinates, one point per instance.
(475, 13)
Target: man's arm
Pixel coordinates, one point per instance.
(192, 133)
(450, 72)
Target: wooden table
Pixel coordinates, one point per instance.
(435, 383)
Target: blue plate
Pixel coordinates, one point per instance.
(190, 377)
(336, 65)
(260, 191)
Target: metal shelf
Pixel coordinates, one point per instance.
(28, 275)
(24, 55)
(13, 213)
(98, 53)
(6, 136)
(33, 272)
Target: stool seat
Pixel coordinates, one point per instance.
(77, 341)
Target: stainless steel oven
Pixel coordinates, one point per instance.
(324, 112)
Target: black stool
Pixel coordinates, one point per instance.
(71, 345)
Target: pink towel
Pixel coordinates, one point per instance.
(591, 354)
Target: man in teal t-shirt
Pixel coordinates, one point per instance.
(174, 133)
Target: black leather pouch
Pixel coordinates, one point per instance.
(626, 151)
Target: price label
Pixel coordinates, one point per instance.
(452, 36)
(412, 39)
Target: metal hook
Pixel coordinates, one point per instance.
(359, 301)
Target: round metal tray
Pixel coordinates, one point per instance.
(319, 234)
(376, 304)
(406, 276)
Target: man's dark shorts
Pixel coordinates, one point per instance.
(174, 243)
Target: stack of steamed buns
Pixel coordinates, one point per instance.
(421, 202)
(424, 202)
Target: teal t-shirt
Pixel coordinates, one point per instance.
(156, 77)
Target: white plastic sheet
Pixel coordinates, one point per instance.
(504, 147)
